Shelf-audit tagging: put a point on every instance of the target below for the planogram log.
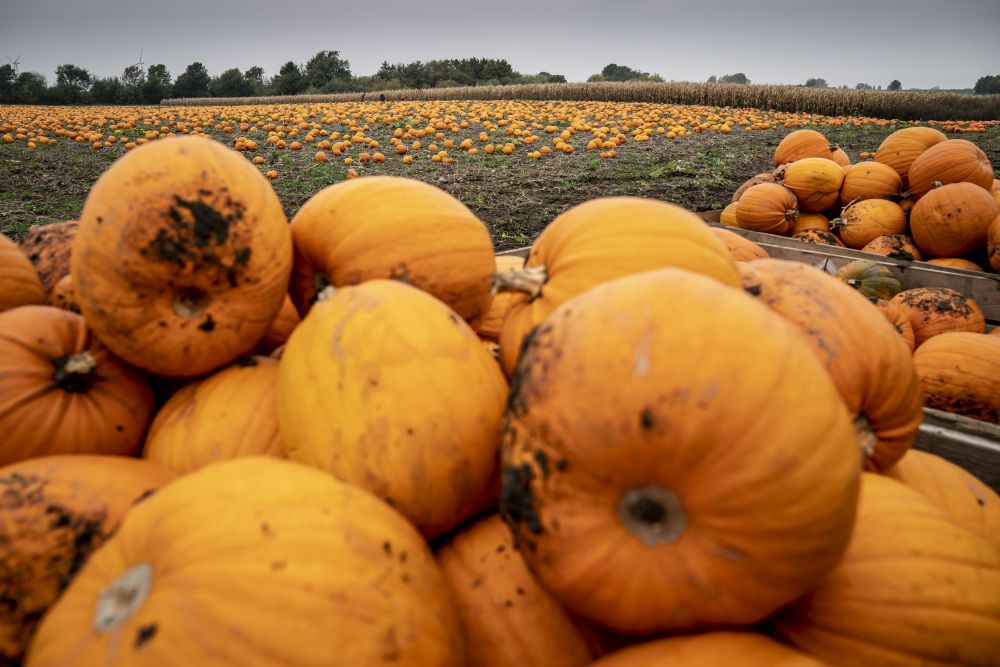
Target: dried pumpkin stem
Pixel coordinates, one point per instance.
(652, 514)
(529, 280)
(867, 439)
(73, 372)
(123, 597)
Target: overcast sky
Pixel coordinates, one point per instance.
(922, 43)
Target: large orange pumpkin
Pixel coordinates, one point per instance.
(767, 207)
(955, 263)
(182, 258)
(385, 227)
(912, 589)
(814, 181)
(898, 318)
(54, 512)
(387, 388)
(902, 147)
(742, 249)
(231, 413)
(952, 161)
(19, 284)
(256, 561)
(802, 144)
(62, 391)
(894, 246)
(953, 219)
(864, 221)
(507, 617)
(711, 649)
(993, 243)
(960, 373)
(492, 323)
(937, 310)
(807, 221)
(601, 240)
(870, 180)
(49, 248)
(727, 216)
(288, 318)
(872, 370)
(627, 504)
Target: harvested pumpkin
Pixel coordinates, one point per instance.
(282, 327)
(937, 310)
(955, 263)
(951, 161)
(63, 296)
(19, 284)
(960, 373)
(806, 221)
(870, 278)
(862, 222)
(728, 216)
(49, 248)
(741, 249)
(894, 246)
(802, 144)
(898, 318)
(769, 208)
(819, 237)
(492, 323)
(870, 180)
(902, 147)
(993, 244)
(710, 649)
(766, 177)
(953, 220)
(814, 181)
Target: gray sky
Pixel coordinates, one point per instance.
(920, 42)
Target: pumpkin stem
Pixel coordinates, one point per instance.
(73, 372)
(652, 514)
(867, 439)
(905, 194)
(530, 279)
(190, 303)
(937, 184)
(123, 597)
(326, 293)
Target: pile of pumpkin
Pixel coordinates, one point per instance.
(272, 444)
(922, 196)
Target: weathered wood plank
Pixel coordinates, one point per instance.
(969, 443)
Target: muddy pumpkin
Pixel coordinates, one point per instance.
(819, 237)
(937, 310)
(953, 220)
(960, 373)
(49, 247)
(19, 284)
(64, 296)
(894, 246)
(807, 221)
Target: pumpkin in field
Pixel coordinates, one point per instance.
(960, 373)
(63, 296)
(870, 180)
(223, 566)
(766, 177)
(55, 511)
(872, 371)
(952, 161)
(385, 387)
(62, 391)
(864, 221)
(902, 147)
(231, 413)
(49, 248)
(626, 504)
(953, 220)
(767, 207)
(499, 600)
(742, 250)
(955, 263)
(182, 258)
(870, 278)
(993, 243)
(601, 240)
(19, 284)
(913, 588)
(710, 649)
(807, 221)
(384, 227)
(894, 246)
(814, 181)
(492, 323)
(818, 236)
(966, 500)
(802, 144)
(937, 310)
(282, 327)
(898, 318)
(727, 216)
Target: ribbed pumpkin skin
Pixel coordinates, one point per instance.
(282, 327)
(728, 216)
(912, 589)
(586, 470)
(955, 263)
(384, 227)
(899, 319)
(49, 248)
(814, 181)
(232, 413)
(767, 207)
(818, 236)
(19, 284)
(960, 373)
(840, 156)
(56, 511)
(872, 371)
(742, 250)
(492, 323)
(802, 144)
(966, 500)
(952, 161)
(894, 246)
(263, 562)
(806, 221)
(870, 180)
(870, 278)
(953, 220)
(104, 413)
(182, 257)
(937, 310)
(865, 221)
(507, 617)
(712, 649)
(902, 147)
(64, 296)
(766, 177)
(605, 239)
(385, 387)
(993, 244)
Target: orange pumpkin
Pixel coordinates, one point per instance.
(955, 263)
(902, 147)
(767, 207)
(912, 589)
(952, 161)
(864, 221)
(601, 240)
(818, 236)
(802, 144)
(710, 649)
(507, 617)
(814, 181)
(62, 391)
(245, 550)
(728, 216)
(841, 157)
(56, 511)
(898, 318)
(807, 221)
(182, 258)
(937, 310)
(894, 246)
(385, 227)
(993, 244)
(742, 250)
(288, 318)
(49, 248)
(766, 177)
(953, 219)
(626, 504)
(492, 323)
(870, 180)
(63, 296)
(19, 284)
(960, 373)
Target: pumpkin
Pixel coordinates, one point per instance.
(56, 511)
(902, 147)
(728, 216)
(864, 221)
(387, 388)
(953, 220)
(965, 499)
(870, 278)
(492, 323)
(807, 221)
(255, 561)
(182, 258)
(282, 327)
(955, 263)
(231, 413)
(993, 243)
(937, 310)
(63, 296)
(814, 181)
(912, 589)
(894, 246)
(499, 600)
(841, 157)
(952, 161)
(898, 318)
(818, 236)
(19, 284)
(767, 207)
(385, 227)
(626, 504)
(709, 650)
(742, 250)
(62, 391)
(49, 248)
(870, 180)
(960, 373)
(601, 240)
(872, 371)
(802, 144)
(766, 177)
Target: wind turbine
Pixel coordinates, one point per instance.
(140, 63)
(15, 62)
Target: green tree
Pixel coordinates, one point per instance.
(157, 85)
(327, 67)
(895, 85)
(988, 85)
(106, 91)
(8, 80)
(290, 80)
(739, 78)
(194, 82)
(232, 83)
(816, 83)
(30, 88)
